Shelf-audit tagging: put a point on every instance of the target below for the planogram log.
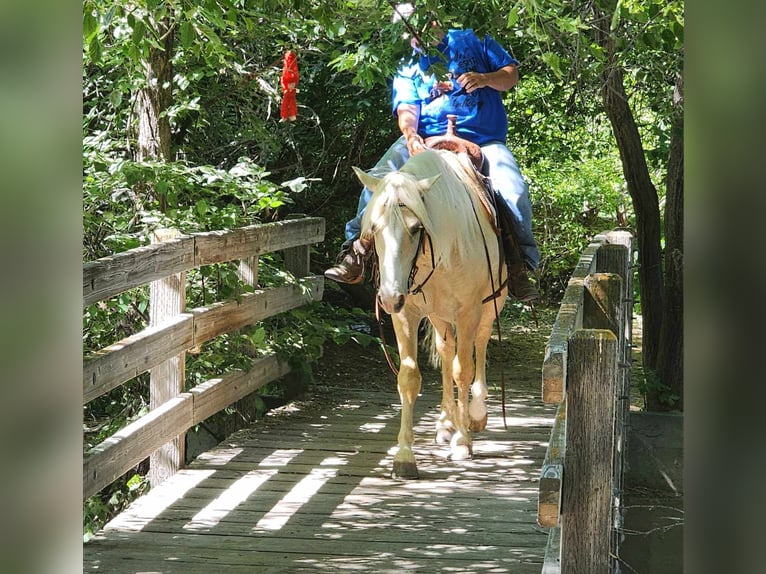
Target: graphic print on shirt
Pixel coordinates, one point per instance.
(457, 99)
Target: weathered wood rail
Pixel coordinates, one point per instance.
(586, 371)
(161, 347)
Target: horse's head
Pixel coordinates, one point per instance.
(396, 219)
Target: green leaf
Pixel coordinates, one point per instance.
(258, 337)
(188, 34)
(134, 482)
(554, 63)
(616, 16)
(115, 98)
(90, 26)
(139, 33)
(513, 17)
(95, 50)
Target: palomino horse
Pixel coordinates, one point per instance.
(439, 258)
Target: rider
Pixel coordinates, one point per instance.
(479, 70)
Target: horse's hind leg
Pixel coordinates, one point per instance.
(461, 447)
(443, 338)
(408, 382)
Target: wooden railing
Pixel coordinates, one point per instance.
(586, 371)
(161, 347)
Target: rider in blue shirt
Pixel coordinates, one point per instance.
(478, 71)
(481, 117)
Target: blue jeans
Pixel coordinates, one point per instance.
(503, 171)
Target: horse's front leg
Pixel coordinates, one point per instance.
(477, 408)
(408, 382)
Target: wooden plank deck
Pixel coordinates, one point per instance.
(312, 492)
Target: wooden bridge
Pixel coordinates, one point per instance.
(312, 490)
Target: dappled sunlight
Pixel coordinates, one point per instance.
(157, 500)
(292, 502)
(280, 457)
(232, 497)
(219, 457)
(318, 494)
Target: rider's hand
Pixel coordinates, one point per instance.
(415, 144)
(471, 81)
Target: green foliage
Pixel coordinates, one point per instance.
(98, 509)
(650, 385)
(573, 201)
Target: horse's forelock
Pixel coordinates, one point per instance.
(398, 189)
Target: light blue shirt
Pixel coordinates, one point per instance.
(481, 117)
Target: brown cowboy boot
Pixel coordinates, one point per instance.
(350, 266)
(519, 285)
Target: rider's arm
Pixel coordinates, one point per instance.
(408, 116)
(501, 80)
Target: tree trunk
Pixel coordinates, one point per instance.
(670, 366)
(641, 190)
(152, 101)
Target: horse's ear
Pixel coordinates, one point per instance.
(370, 181)
(425, 184)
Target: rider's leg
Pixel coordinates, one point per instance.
(506, 178)
(356, 249)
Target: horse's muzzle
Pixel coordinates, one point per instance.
(391, 303)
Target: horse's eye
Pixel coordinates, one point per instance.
(413, 229)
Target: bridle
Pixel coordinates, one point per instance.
(417, 289)
(414, 269)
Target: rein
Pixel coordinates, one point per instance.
(389, 360)
(493, 297)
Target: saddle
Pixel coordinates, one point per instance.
(450, 141)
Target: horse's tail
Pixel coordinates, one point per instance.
(428, 344)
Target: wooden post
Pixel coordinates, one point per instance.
(602, 308)
(604, 303)
(549, 490)
(248, 271)
(297, 260)
(167, 298)
(615, 257)
(587, 483)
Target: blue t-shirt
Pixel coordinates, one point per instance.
(481, 117)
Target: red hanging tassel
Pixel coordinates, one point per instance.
(289, 83)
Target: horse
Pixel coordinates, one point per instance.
(438, 258)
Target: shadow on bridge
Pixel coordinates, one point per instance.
(311, 491)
